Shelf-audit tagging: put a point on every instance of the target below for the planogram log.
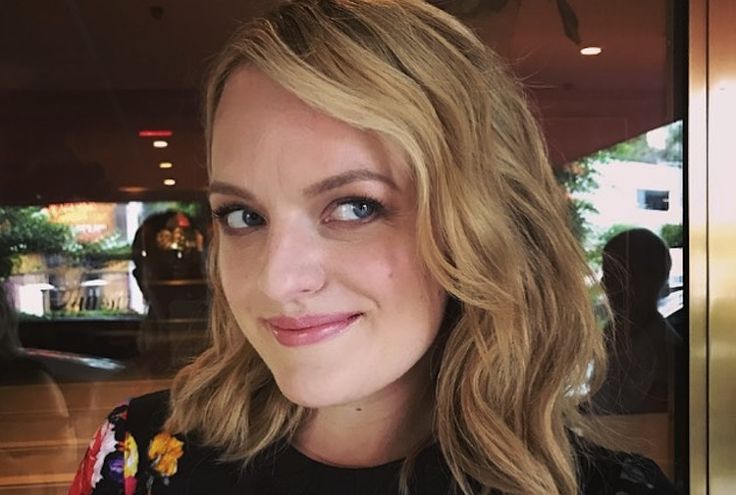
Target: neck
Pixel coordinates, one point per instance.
(384, 427)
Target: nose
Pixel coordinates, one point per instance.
(292, 264)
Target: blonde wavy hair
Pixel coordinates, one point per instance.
(492, 229)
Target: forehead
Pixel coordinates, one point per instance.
(258, 121)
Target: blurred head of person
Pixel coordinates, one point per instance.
(636, 267)
(168, 260)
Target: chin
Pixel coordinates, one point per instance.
(313, 392)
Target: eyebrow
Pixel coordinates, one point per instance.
(315, 189)
(345, 178)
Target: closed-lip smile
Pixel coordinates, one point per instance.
(309, 329)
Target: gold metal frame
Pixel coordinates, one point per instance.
(697, 175)
(712, 224)
(721, 247)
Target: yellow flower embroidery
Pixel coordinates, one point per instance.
(130, 468)
(164, 451)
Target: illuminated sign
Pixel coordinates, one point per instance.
(88, 221)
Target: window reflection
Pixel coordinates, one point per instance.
(99, 289)
(77, 259)
(627, 207)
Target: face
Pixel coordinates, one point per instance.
(317, 246)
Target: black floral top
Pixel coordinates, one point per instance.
(131, 455)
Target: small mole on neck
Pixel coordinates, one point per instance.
(358, 409)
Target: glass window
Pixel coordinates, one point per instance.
(634, 238)
(88, 260)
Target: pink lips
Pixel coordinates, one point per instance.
(309, 329)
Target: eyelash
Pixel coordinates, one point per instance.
(221, 213)
(379, 209)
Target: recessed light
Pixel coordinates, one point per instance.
(165, 165)
(169, 182)
(591, 50)
(160, 143)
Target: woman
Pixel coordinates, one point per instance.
(398, 305)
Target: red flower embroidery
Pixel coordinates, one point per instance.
(82, 484)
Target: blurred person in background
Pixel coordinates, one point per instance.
(168, 257)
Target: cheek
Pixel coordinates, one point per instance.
(236, 270)
(226, 264)
(390, 270)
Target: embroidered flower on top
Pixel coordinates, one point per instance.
(104, 456)
(90, 470)
(130, 467)
(104, 443)
(164, 451)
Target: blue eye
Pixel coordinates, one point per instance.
(238, 217)
(355, 210)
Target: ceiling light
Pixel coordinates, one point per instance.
(591, 50)
(155, 133)
(132, 189)
(169, 182)
(160, 143)
(165, 165)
